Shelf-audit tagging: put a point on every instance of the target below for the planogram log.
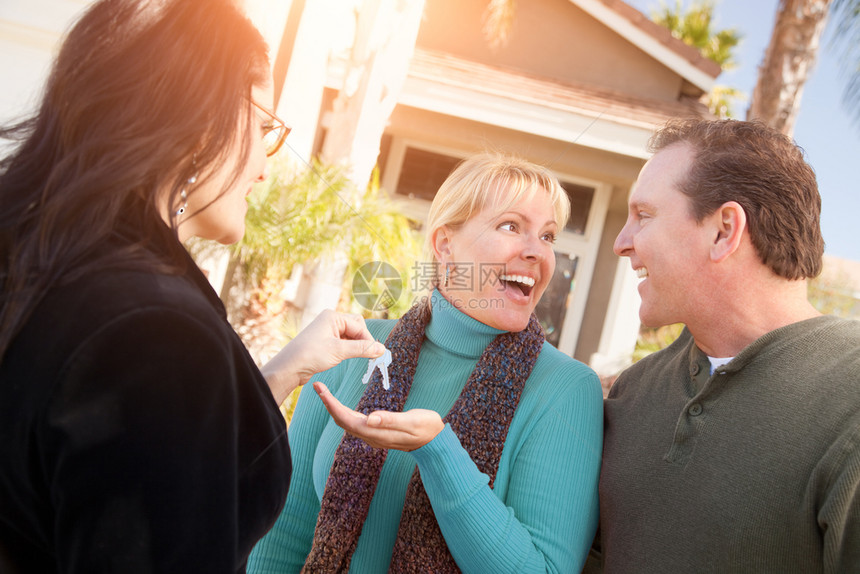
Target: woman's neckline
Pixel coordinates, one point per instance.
(455, 331)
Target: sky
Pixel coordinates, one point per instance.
(824, 129)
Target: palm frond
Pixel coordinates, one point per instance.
(845, 15)
(498, 21)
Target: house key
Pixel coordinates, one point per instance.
(382, 362)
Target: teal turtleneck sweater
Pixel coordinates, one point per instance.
(541, 514)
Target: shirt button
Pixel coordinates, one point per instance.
(695, 409)
(694, 369)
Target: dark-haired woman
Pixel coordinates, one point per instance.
(136, 433)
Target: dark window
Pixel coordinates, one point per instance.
(423, 172)
(556, 300)
(580, 203)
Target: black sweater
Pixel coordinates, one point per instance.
(136, 432)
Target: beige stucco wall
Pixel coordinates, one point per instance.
(551, 38)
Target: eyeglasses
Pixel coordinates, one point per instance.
(275, 131)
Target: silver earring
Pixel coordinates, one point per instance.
(184, 196)
(191, 181)
(447, 273)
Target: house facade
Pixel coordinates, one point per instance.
(578, 86)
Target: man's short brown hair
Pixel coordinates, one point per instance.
(766, 173)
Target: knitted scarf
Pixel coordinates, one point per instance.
(480, 418)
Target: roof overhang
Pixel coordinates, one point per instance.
(610, 121)
(575, 126)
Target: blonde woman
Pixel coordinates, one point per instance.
(484, 454)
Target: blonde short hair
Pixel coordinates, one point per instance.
(479, 180)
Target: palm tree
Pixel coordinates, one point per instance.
(847, 15)
(791, 55)
(385, 35)
(498, 19)
(695, 28)
(788, 60)
(300, 214)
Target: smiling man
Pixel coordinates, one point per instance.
(737, 448)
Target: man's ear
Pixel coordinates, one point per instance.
(730, 222)
(441, 242)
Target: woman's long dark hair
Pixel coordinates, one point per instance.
(143, 95)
